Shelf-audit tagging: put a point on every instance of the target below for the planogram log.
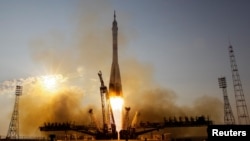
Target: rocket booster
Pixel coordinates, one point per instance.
(115, 86)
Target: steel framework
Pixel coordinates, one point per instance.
(241, 106)
(13, 132)
(228, 113)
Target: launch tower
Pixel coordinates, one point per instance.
(228, 114)
(241, 106)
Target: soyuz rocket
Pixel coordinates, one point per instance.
(115, 86)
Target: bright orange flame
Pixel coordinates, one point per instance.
(117, 104)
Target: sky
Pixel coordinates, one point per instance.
(170, 51)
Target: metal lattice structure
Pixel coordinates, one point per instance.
(103, 92)
(13, 132)
(241, 106)
(228, 113)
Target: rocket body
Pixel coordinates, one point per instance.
(115, 86)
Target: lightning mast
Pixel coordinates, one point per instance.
(228, 114)
(241, 106)
(13, 132)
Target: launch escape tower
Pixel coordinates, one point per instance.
(13, 132)
(228, 114)
(241, 106)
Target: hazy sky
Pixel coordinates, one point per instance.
(182, 44)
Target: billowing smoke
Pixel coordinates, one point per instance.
(40, 106)
(161, 103)
(142, 94)
(80, 59)
(154, 102)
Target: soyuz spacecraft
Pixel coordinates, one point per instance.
(115, 86)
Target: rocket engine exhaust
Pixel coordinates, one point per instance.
(116, 105)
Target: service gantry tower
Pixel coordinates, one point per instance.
(13, 132)
(228, 113)
(103, 92)
(241, 106)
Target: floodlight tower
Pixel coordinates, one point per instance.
(13, 132)
(241, 106)
(228, 114)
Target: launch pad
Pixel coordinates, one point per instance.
(114, 125)
(129, 133)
